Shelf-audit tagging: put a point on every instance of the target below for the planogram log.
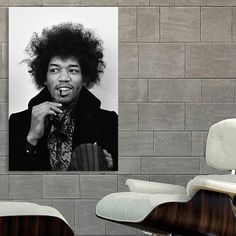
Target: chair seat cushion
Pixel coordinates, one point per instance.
(133, 207)
(141, 186)
(218, 183)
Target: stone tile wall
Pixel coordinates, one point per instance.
(177, 67)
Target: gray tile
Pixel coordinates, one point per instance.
(4, 191)
(216, 24)
(128, 60)
(223, 111)
(97, 186)
(205, 169)
(199, 60)
(118, 229)
(132, 143)
(183, 179)
(234, 24)
(128, 116)
(67, 209)
(198, 116)
(129, 165)
(98, 2)
(224, 62)
(170, 166)
(234, 90)
(172, 144)
(133, 2)
(1, 61)
(168, 179)
(190, 2)
(61, 186)
(4, 113)
(122, 187)
(198, 143)
(1, 117)
(218, 90)
(3, 164)
(89, 172)
(3, 143)
(61, 2)
(162, 2)
(148, 24)
(161, 60)
(4, 3)
(25, 3)
(127, 24)
(221, 3)
(26, 173)
(180, 24)
(86, 223)
(25, 186)
(4, 64)
(174, 90)
(132, 90)
(4, 25)
(3, 91)
(162, 116)
(41, 202)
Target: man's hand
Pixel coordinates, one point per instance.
(108, 158)
(39, 119)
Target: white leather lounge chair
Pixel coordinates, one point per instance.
(207, 206)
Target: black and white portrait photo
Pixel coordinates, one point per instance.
(63, 89)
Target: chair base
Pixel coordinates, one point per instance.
(33, 226)
(206, 214)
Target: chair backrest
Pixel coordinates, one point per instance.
(221, 145)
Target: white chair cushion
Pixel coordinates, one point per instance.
(28, 209)
(218, 183)
(133, 207)
(141, 186)
(221, 145)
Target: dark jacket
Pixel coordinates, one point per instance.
(93, 124)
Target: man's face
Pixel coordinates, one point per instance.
(64, 79)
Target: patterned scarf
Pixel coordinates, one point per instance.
(60, 138)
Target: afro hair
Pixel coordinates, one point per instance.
(66, 40)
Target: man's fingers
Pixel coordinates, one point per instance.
(43, 108)
(47, 104)
(107, 153)
(44, 112)
(54, 104)
(56, 109)
(52, 113)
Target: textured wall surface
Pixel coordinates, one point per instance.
(177, 66)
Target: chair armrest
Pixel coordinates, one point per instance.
(217, 183)
(141, 186)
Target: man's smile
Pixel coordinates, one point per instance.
(64, 91)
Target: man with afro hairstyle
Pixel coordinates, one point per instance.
(64, 128)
